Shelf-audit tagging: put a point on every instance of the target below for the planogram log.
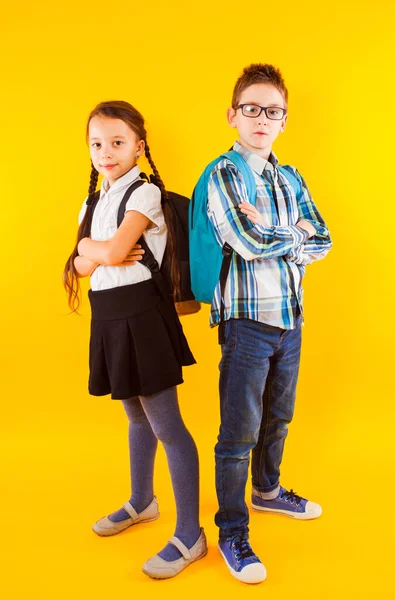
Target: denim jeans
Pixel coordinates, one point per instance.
(258, 376)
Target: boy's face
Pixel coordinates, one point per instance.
(257, 134)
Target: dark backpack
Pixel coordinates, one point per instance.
(179, 206)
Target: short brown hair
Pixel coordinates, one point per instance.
(259, 73)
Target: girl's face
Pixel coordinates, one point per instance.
(114, 147)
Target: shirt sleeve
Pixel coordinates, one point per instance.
(147, 201)
(226, 191)
(318, 246)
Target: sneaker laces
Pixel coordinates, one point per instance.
(241, 548)
(291, 496)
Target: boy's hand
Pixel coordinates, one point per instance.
(307, 226)
(255, 217)
(134, 256)
(251, 213)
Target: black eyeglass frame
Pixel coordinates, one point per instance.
(263, 108)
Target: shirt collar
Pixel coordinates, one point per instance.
(256, 162)
(122, 182)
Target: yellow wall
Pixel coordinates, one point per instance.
(65, 452)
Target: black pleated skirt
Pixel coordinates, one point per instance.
(137, 345)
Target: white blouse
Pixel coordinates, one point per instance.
(146, 200)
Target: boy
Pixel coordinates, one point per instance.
(271, 242)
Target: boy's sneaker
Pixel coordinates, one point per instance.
(287, 503)
(241, 560)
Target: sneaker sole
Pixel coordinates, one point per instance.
(300, 516)
(104, 534)
(239, 576)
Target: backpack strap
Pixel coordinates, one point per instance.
(245, 171)
(292, 179)
(121, 210)
(148, 259)
(227, 250)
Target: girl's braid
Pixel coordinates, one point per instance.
(159, 181)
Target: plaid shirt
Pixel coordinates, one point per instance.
(268, 263)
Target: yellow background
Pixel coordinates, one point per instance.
(64, 452)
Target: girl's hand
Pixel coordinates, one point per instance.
(83, 246)
(135, 255)
(251, 213)
(84, 266)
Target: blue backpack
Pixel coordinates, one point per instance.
(209, 263)
(206, 257)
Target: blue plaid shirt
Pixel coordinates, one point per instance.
(268, 263)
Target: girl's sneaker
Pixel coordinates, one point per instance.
(240, 559)
(287, 503)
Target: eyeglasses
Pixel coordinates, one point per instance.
(274, 113)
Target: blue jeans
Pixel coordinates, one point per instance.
(258, 376)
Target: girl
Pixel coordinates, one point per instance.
(137, 346)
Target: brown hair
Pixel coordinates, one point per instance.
(126, 112)
(259, 73)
